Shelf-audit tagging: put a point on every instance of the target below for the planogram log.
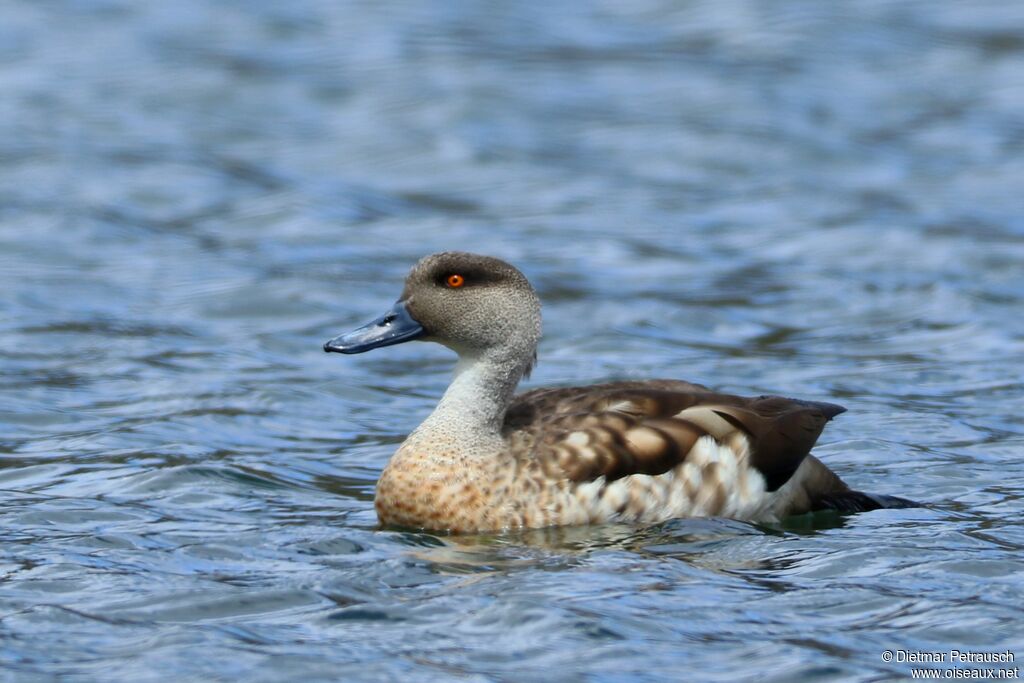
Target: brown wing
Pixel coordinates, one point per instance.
(533, 408)
(615, 430)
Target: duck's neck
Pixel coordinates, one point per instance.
(472, 410)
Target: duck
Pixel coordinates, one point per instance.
(487, 460)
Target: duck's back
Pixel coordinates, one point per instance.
(677, 445)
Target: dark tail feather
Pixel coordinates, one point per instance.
(858, 501)
(830, 410)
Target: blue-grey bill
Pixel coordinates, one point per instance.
(394, 327)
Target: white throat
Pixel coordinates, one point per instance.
(472, 410)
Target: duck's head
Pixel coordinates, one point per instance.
(474, 305)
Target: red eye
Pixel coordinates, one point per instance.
(455, 280)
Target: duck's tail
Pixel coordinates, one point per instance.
(858, 501)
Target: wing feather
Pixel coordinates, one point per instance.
(626, 428)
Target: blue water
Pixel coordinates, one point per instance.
(815, 199)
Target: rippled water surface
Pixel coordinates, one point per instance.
(816, 199)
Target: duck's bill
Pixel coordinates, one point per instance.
(394, 327)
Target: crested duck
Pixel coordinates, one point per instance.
(486, 460)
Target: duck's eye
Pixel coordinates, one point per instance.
(455, 280)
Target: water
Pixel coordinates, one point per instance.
(815, 199)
